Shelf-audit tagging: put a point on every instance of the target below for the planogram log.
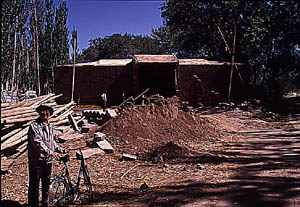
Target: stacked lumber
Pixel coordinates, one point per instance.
(17, 117)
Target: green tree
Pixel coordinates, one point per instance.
(46, 48)
(60, 36)
(268, 35)
(120, 46)
(7, 19)
(13, 39)
(28, 40)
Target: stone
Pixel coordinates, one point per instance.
(99, 136)
(90, 152)
(128, 157)
(105, 146)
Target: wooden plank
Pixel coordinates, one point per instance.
(105, 146)
(43, 99)
(53, 98)
(18, 120)
(21, 149)
(262, 131)
(4, 105)
(145, 91)
(17, 111)
(15, 105)
(5, 164)
(128, 157)
(99, 136)
(71, 136)
(62, 109)
(61, 117)
(14, 142)
(7, 136)
(111, 113)
(63, 129)
(90, 152)
(128, 99)
(13, 119)
(73, 122)
(15, 139)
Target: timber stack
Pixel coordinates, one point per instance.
(16, 119)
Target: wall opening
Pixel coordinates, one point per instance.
(160, 78)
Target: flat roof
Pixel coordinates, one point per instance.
(155, 59)
(149, 59)
(200, 62)
(103, 62)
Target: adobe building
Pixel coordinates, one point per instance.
(193, 80)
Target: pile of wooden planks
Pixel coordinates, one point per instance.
(16, 119)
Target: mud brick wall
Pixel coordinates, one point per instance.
(90, 82)
(213, 78)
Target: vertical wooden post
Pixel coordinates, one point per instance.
(73, 81)
(232, 62)
(74, 44)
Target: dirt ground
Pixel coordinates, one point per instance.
(239, 155)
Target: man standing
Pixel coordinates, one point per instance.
(42, 148)
(104, 99)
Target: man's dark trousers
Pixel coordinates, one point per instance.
(40, 170)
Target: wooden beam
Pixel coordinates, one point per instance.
(62, 109)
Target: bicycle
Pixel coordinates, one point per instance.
(63, 192)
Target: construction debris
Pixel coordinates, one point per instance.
(128, 157)
(105, 146)
(90, 152)
(99, 136)
(73, 122)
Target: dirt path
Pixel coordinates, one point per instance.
(268, 174)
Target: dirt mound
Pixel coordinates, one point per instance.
(139, 129)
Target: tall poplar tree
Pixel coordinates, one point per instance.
(61, 46)
(47, 52)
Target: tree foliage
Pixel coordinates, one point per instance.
(61, 41)
(120, 46)
(27, 42)
(13, 41)
(268, 34)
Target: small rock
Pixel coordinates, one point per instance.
(166, 165)
(128, 157)
(200, 167)
(144, 187)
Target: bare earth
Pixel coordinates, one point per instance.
(226, 158)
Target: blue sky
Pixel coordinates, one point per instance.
(100, 18)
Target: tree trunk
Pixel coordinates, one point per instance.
(37, 54)
(14, 56)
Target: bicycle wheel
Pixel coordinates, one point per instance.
(86, 191)
(57, 194)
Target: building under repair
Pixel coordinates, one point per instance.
(196, 81)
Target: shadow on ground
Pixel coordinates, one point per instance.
(267, 177)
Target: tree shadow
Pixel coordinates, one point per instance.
(10, 203)
(253, 184)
